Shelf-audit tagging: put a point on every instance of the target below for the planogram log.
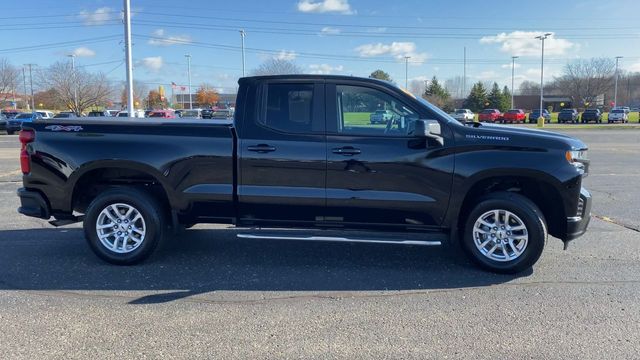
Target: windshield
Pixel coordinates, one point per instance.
(461, 111)
(618, 111)
(24, 116)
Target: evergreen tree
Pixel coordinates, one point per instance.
(380, 75)
(506, 99)
(438, 95)
(477, 97)
(495, 97)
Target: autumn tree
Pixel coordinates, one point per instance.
(77, 88)
(277, 67)
(50, 100)
(139, 89)
(206, 95)
(155, 100)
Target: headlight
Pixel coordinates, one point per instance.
(579, 159)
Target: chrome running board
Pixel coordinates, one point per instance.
(341, 239)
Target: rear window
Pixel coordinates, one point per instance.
(618, 111)
(567, 110)
(591, 111)
(156, 114)
(461, 111)
(488, 111)
(24, 116)
(513, 111)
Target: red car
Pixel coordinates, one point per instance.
(514, 115)
(165, 114)
(490, 115)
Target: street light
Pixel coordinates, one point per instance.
(406, 72)
(542, 38)
(189, 75)
(615, 91)
(242, 35)
(75, 88)
(513, 67)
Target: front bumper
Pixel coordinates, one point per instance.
(33, 204)
(577, 225)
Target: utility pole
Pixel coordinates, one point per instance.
(615, 91)
(128, 58)
(75, 81)
(189, 75)
(406, 72)
(33, 106)
(242, 35)
(24, 82)
(542, 38)
(464, 73)
(513, 69)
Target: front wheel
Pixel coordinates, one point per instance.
(505, 233)
(123, 226)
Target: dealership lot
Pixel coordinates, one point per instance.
(212, 295)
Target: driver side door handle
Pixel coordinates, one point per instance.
(346, 151)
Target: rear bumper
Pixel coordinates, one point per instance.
(577, 225)
(33, 204)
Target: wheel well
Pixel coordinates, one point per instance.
(544, 195)
(96, 181)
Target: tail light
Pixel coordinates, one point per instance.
(26, 137)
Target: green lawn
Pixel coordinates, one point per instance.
(357, 118)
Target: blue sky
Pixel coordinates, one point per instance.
(352, 37)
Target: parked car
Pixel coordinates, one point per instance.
(113, 112)
(192, 114)
(136, 113)
(3, 122)
(15, 124)
(44, 114)
(99, 113)
(625, 108)
(10, 114)
(178, 113)
(490, 115)
(568, 115)
(376, 117)
(222, 114)
(291, 164)
(535, 114)
(514, 115)
(463, 115)
(165, 114)
(591, 115)
(64, 115)
(207, 113)
(618, 115)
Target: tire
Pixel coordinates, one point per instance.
(129, 252)
(522, 211)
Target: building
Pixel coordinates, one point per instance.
(551, 102)
(224, 100)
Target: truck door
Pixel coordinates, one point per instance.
(380, 173)
(282, 149)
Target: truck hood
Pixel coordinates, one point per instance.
(504, 134)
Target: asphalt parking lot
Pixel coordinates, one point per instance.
(210, 295)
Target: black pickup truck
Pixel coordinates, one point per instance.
(302, 161)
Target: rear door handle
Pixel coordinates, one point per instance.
(261, 148)
(346, 151)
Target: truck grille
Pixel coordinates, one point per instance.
(580, 211)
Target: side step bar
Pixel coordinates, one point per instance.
(340, 239)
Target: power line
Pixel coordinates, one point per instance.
(61, 44)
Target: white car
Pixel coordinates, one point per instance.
(618, 115)
(463, 115)
(44, 114)
(136, 113)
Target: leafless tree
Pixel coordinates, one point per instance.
(277, 67)
(586, 79)
(417, 86)
(92, 89)
(9, 78)
(529, 88)
(455, 86)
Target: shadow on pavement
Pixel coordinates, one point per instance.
(202, 261)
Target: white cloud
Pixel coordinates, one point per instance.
(324, 69)
(396, 49)
(286, 55)
(324, 6)
(83, 52)
(487, 75)
(635, 67)
(160, 38)
(152, 63)
(524, 43)
(508, 66)
(97, 17)
(328, 30)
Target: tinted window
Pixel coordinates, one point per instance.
(618, 111)
(288, 107)
(359, 109)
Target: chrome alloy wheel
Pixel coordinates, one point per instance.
(120, 228)
(500, 235)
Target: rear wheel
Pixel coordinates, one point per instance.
(505, 233)
(123, 226)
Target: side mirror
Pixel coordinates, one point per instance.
(429, 129)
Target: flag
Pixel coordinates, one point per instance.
(183, 88)
(173, 85)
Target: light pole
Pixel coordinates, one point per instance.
(242, 35)
(128, 56)
(75, 88)
(615, 90)
(189, 75)
(406, 72)
(33, 106)
(542, 38)
(513, 67)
